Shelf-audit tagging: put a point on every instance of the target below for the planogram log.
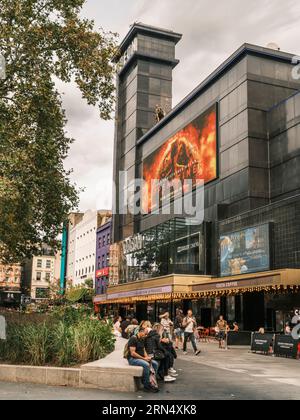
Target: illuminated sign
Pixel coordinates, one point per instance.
(190, 154)
(246, 251)
(103, 272)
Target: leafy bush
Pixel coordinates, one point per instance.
(67, 337)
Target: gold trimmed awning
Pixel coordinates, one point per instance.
(178, 287)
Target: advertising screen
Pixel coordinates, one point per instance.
(246, 251)
(190, 154)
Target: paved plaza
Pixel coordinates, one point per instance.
(235, 374)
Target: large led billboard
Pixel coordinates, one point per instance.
(190, 154)
(246, 251)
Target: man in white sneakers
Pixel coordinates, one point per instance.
(189, 324)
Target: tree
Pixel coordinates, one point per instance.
(43, 41)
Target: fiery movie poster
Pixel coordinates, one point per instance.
(190, 154)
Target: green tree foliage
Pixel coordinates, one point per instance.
(43, 41)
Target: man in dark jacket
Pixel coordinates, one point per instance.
(154, 346)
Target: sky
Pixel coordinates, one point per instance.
(211, 32)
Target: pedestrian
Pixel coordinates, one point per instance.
(190, 325)
(137, 356)
(178, 328)
(235, 327)
(287, 329)
(131, 328)
(124, 325)
(117, 326)
(166, 323)
(158, 352)
(221, 327)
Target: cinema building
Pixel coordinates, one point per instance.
(239, 131)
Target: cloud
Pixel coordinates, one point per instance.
(211, 32)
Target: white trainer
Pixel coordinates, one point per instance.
(169, 379)
(172, 370)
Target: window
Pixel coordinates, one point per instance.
(108, 239)
(39, 263)
(47, 277)
(103, 240)
(38, 276)
(48, 264)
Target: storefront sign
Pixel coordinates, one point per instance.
(142, 292)
(286, 346)
(99, 299)
(261, 342)
(103, 272)
(252, 282)
(246, 251)
(188, 247)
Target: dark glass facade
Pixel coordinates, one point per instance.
(258, 173)
(144, 81)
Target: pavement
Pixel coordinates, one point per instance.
(234, 374)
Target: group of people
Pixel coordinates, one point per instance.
(154, 346)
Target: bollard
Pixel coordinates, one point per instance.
(2, 328)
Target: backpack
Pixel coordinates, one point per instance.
(126, 351)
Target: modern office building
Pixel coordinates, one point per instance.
(103, 242)
(239, 132)
(146, 61)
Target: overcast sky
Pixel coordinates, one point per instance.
(211, 32)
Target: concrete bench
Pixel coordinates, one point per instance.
(113, 372)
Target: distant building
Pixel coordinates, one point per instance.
(41, 273)
(81, 252)
(103, 241)
(74, 219)
(10, 284)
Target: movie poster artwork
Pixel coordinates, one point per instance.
(190, 154)
(246, 251)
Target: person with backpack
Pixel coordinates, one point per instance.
(178, 328)
(137, 356)
(190, 325)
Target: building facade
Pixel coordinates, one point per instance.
(103, 242)
(239, 132)
(70, 235)
(10, 284)
(41, 274)
(146, 61)
(81, 252)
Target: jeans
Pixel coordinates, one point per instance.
(146, 369)
(190, 336)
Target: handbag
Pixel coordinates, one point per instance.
(158, 355)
